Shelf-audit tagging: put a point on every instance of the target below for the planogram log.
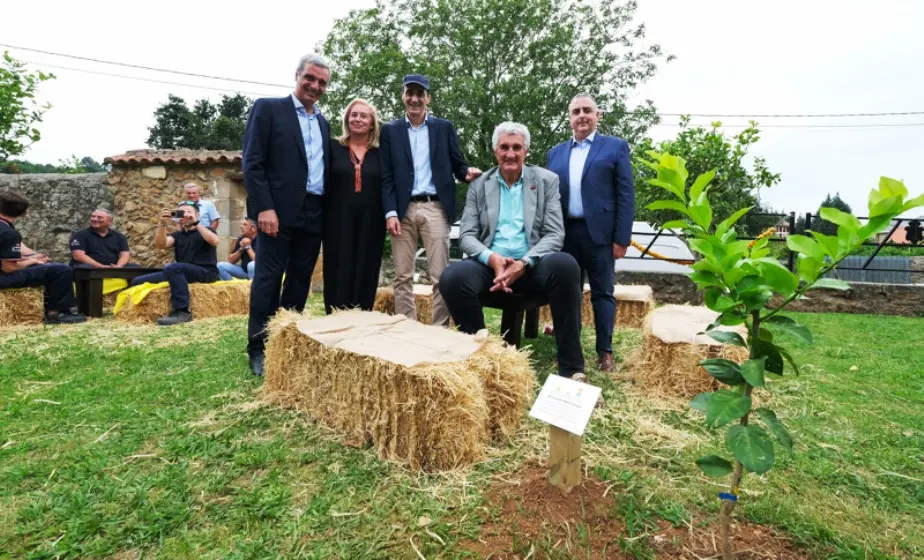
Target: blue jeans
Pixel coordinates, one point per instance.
(227, 271)
(180, 275)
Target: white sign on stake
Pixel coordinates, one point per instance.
(565, 404)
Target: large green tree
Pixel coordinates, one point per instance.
(205, 126)
(736, 185)
(69, 165)
(19, 111)
(494, 60)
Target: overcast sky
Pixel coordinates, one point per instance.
(737, 57)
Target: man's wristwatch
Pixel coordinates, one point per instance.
(526, 264)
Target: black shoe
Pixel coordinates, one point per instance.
(64, 318)
(175, 318)
(256, 364)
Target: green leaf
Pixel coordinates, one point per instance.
(830, 284)
(703, 264)
(805, 245)
(726, 371)
(887, 207)
(891, 187)
(913, 203)
(675, 224)
(840, 218)
(701, 214)
(731, 318)
(777, 276)
(752, 446)
(727, 337)
(737, 247)
(669, 205)
(774, 363)
(668, 187)
(791, 326)
(701, 246)
(754, 301)
(753, 371)
(828, 243)
(726, 406)
(706, 278)
(700, 184)
(809, 268)
(750, 283)
(776, 427)
(728, 222)
(715, 466)
(788, 357)
(700, 402)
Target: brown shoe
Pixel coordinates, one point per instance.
(605, 361)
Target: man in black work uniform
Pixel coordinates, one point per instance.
(195, 255)
(99, 246)
(21, 267)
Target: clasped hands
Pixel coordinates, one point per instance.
(506, 272)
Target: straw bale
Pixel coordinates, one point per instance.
(633, 303)
(22, 306)
(423, 298)
(667, 362)
(205, 300)
(425, 397)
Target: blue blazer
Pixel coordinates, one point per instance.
(274, 161)
(446, 161)
(607, 188)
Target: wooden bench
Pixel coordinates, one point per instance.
(515, 307)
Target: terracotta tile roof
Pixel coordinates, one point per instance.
(174, 157)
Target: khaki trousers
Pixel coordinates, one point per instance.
(427, 221)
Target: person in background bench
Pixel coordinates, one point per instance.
(196, 260)
(21, 267)
(99, 246)
(512, 227)
(241, 260)
(208, 214)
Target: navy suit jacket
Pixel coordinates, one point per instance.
(446, 160)
(607, 188)
(274, 161)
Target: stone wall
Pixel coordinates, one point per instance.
(141, 192)
(917, 270)
(60, 205)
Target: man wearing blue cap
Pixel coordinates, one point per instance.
(421, 161)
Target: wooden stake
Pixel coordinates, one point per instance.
(564, 459)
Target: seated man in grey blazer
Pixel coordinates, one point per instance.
(512, 228)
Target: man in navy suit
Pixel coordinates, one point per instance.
(598, 201)
(285, 162)
(420, 156)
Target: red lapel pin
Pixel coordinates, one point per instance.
(532, 187)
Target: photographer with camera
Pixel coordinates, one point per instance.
(195, 255)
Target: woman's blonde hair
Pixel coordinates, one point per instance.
(344, 138)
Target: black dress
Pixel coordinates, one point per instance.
(354, 231)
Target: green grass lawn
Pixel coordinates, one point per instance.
(127, 442)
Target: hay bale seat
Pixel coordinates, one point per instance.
(425, 397)
(205, 300)
(667, 364)
(633, 303)
(423, 298)
(22, 306)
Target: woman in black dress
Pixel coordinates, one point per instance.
(354, 223)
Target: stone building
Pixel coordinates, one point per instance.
(144, 182)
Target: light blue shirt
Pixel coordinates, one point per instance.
(510, 236)
(314, 146)
(579, 152)
(207, 212)
(419, 137)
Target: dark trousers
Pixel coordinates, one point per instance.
(84, 265)
(597, 261)
(555, 276)
(180, 276)
(57, 278)
(293, 252)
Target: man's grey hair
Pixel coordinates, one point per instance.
(104, 211)
(509, 127)
(192, 186)
(314, 60)
(583, 95)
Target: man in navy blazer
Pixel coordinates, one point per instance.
(421, 160)
(285, 162)
(598, 201)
